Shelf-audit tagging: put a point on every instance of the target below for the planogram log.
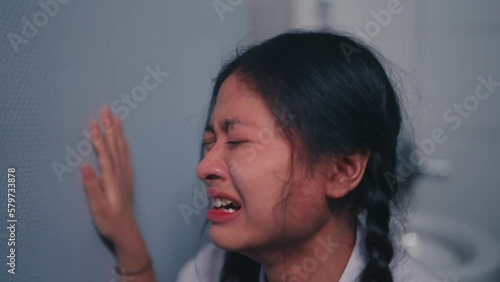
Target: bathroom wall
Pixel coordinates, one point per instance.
(59, 62)
(457, 45)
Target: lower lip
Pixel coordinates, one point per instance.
(218, 215)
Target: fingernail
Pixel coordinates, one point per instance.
(93, 122)
(104, 109)
(95, 134)
(107, 125)
(84, 168)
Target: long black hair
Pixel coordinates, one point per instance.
(331, 91)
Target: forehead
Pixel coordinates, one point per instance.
(238, 104)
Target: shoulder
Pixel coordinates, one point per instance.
(404, 267)
(204, 267)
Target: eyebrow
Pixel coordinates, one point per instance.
(227, 123)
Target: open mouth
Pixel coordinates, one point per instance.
(225, 205)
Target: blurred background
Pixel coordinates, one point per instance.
(60, 60)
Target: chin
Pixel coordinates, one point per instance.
(241, 242)
(225, 239)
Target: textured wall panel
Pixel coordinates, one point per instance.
(86, 54)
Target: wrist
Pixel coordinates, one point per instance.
(127, 234)
(131, 273)
(130, 247)
(131, 251)
(133, 258)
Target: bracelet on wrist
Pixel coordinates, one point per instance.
(122, 272)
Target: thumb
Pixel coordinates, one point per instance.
(93, 188)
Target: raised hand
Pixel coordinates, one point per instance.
(110, 198)
(110, 195)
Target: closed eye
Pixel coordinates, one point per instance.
(207, 145)
(235, 143)
(229, 143)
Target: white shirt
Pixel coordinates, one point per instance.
(208, 262)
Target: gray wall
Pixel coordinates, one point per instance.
(85, 54)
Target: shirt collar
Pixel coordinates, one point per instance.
(261, 275)
(357, 260)
(354, 265)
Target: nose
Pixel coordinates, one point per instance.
(212, 168)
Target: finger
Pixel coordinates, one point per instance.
(119, 141)
(109, 133)
(123, 149)
(103, 157)
(127, 163)
(92, 186)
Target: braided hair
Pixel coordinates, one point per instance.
(342, 101)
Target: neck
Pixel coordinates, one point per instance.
(322, 257)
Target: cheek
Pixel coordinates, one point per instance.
(259, 173)
(261, 191)
(307, 208)
(235, 169)
(259, 166)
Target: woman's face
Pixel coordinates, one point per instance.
(247, 160)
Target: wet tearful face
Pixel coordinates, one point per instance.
(245, 165)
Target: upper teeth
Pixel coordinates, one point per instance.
(218, 202)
